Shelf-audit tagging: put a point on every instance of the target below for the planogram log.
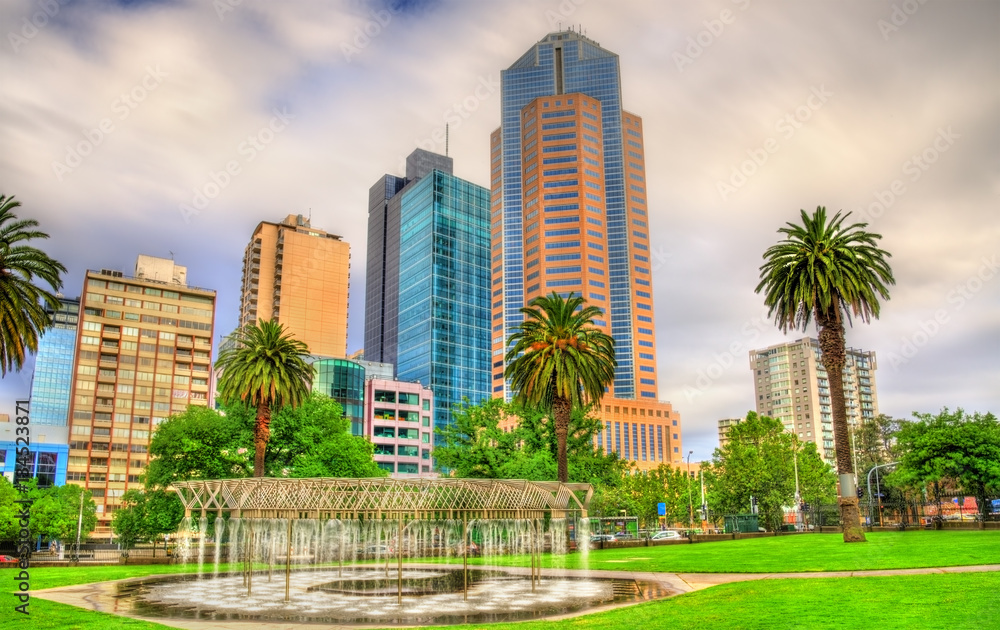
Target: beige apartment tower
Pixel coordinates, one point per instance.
(298, 275)
(790, 384)
(143, 353)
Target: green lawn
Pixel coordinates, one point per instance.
(807, 552)
(952, 602)
(930, 601)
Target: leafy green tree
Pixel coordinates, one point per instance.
(266, 368)
(828, 271)
(55, 513)
(817, 480)
(146, 516)
(759, 460)
(558, 360)
(640, 492)
(9, 511)
(201, 443)
(952, 446)
(23, 316)
(311, 440)
(474, 445)
(314, 440)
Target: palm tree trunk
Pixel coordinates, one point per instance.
(833, 353)
(261, 434)
(560, 415)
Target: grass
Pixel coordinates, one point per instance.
(793, 554)
(952, 601)
(947, 601)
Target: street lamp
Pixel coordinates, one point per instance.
(690, 504)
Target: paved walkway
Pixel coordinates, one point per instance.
(101, 596)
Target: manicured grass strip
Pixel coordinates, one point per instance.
(53, 577)
(46, 615)
(791, 554)
(958, 601)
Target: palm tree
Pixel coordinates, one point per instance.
(265, 368)
(23, 316)
(558, 360)
(831, 272)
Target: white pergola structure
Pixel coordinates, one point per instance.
(336, 498)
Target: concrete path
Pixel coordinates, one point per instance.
(101, 596)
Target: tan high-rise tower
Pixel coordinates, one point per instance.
(298, 275)
(143, 353)
(791, 385)
(570, 215)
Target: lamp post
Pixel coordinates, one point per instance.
(690, 503)
(798, 497)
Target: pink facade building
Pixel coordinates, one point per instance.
(398, 421)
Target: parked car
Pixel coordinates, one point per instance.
(596, 538)
(667, 535)
(8, 561)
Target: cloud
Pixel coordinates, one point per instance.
(365, 82)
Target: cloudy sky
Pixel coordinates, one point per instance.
(173, 128)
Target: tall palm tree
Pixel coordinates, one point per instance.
(265, 368)
(831, 272)
(23, 316)
(558, 360)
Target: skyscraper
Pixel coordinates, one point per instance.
(570, 215)
(50, 382)
(791, 385)
(427, 294)
(298, 275)
(144, 352)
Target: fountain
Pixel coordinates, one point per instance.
(378, 551)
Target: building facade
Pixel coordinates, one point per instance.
(48, 453)
(570, 215)
(791, 385)
(724, 425)
(427, 304)
(399, 419)
(298, 275)
(143, 353)
(53, 374)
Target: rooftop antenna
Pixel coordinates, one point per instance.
(171, 255)
(446, 139)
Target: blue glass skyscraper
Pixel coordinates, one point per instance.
(437, 227)
(53, 375)
(568, 63)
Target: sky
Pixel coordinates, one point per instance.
(172, 128)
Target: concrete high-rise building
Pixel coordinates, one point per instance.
(724, 426)
(570, 215)
(143, 353)
(298, 275)
(791, 385)
(428, 289)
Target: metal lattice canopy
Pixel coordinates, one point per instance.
(266, 497)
